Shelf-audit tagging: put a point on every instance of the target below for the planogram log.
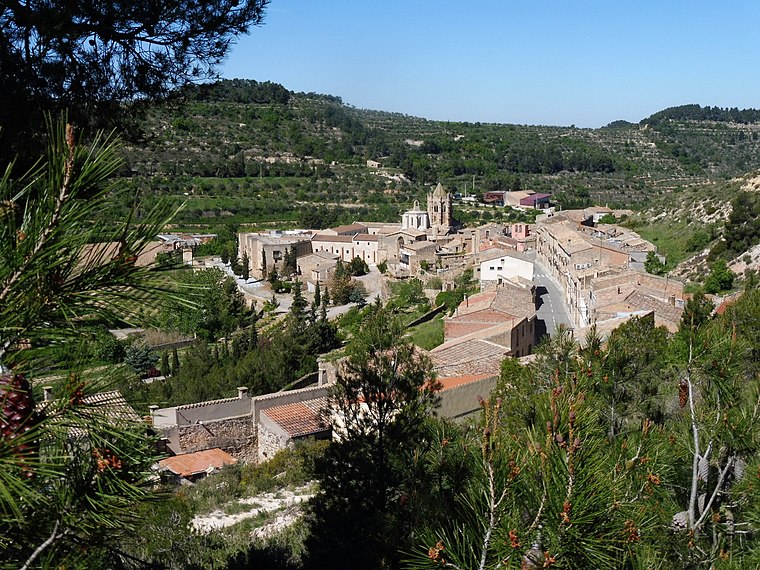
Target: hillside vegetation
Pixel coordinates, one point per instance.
(243, 151)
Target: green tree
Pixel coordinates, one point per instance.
(653, 264)
(696, 312)
(140, 358)
(175, 361)
(384, 391)
(357, 267)
(245, 267)
(165, 370)
(721, 278)
(217, 306)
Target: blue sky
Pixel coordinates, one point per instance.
(550, 62)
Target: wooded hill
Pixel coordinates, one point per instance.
(241, 150)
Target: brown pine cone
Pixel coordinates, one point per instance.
(18, 415)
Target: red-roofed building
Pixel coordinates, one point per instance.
(509, 310)
(193, 466)
(281, 426)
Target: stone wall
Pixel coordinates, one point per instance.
(236, 436)
(269, 443)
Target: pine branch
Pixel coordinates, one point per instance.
(716, 491)
(55, 535)
(54, 220)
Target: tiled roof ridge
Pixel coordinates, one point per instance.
(273, 395)
(206, 403)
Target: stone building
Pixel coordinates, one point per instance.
(504, 316)
(439, 209)
(267, 250)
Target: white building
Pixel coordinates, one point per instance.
(415, 218)
(506, 267)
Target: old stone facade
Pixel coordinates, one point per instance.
(236, 436)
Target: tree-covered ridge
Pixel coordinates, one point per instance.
(695, 112)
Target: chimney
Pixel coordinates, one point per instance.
(242, 392)
(153, 409)
(47, 393)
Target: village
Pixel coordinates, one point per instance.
(567, 270)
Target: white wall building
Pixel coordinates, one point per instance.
(506, 267)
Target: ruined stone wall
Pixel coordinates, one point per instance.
(236, 436)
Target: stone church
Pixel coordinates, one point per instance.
(436, 220)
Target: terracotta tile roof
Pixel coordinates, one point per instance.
(661, 309)
(727, 302)
(473, 356)
(300, 418)
(189, 464)
(113, 406)
(366, 237)
(454, 381)
(509, 299)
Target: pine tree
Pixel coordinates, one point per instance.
(53, 274)
(326, 298)
(253, 334)
(315, 304)
(382, 396)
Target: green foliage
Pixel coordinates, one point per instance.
(357, 267)
(344, 289)
(108, 348)
(71, 475)
(140, 358)
(621, 456)
(427, 335)
(218, 306)
(721, 278)
(408, 295)
(383, 394)
(653, 264)
(742, 227)
(97, 57)
(696, 312)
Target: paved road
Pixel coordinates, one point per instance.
(552, 310)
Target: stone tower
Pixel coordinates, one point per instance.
(439, 208)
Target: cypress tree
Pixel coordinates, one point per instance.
(165, 370)
(175, 362)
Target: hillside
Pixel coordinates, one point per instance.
(240, 151)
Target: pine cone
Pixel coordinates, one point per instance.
(683, 393)
(680, 521)
(533, 559)
(18, 414)
(703, 468)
